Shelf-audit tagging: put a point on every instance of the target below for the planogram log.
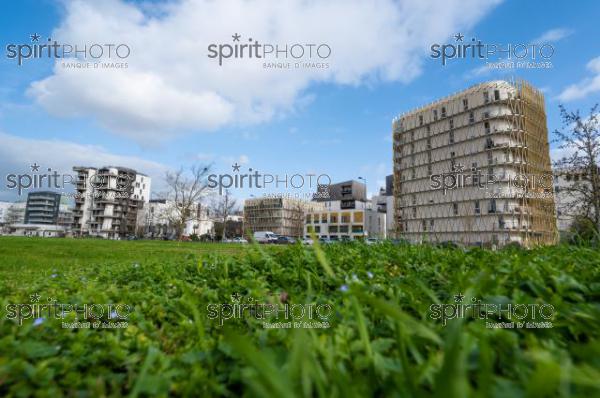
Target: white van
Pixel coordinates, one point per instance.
(265, 237)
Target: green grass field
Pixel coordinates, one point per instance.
(383, 338)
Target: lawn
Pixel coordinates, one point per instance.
(379, 337)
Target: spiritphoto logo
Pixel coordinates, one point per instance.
(256, 180)
(522, 183)
(276, 56)
(76, 316)
(275, 315)
(48, 178)
(509, 55)
(90, 54)
(508, 315)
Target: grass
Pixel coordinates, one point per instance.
(382, 340)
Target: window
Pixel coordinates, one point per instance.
(424, 225)
(428, 143)
(477, 207)
(492, 208)
(358, 217)
(413, 174)
(496, 95)
(412, 148)
(443, 111)
(451, 137)
(490, 157)
(333, 218)
(429, 169)
(501, 223)
(451, 122)
(414, 212)
(345, 218)
(324, 218)
(471, 117)
(486, 125)
(455, 208)
(486, 97)
(465, 104)
(420, 120)
(414, 200)
(431, 223)
(486, 115)
(435, 114)
(428, 129)
(412, 135)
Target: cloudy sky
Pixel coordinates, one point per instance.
(174, 106)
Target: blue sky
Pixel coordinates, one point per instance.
(325, 124)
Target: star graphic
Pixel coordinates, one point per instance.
(458, 298)
(35, 167)
(459, 167)
(236, 297)
(34, 297)
(35, 37)
(236, 37)
(236, 167)
(459, 37)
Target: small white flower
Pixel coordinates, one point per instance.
(38, 321)
(344, 288)
(370, 274)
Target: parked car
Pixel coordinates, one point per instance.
(265, 237)
(372, 241)
(239, 239)
(325, 241)
(285, 240)
(307, 241)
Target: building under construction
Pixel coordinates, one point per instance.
(283, 216)
(474, 168)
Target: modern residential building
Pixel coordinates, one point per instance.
(42, 207)
(460, 163)
(337, 222)
(283, 216)
(109, 200)
(159, 216)
(347, 192)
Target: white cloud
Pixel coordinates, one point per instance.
(171, 85)
(17, 154)
(585, 87)
(553, 35)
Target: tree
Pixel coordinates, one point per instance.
(581, 137)
(185, 191)
(222, 207)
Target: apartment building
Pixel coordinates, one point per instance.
(283, 216)
(42, 207)
(474, 168)
(347, 192)
(338, 222)
(109, 200)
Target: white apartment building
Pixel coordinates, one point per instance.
(336, 222)
(481, 142)
(109, 200)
